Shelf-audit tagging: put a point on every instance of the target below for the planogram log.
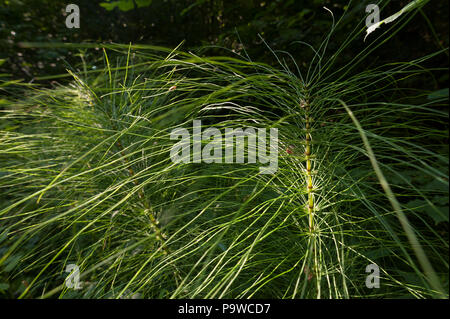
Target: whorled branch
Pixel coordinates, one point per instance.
(310, 205)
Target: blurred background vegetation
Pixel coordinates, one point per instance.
(233, 24)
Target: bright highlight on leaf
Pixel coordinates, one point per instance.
(412, 5)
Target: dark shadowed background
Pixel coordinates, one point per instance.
(233, 24)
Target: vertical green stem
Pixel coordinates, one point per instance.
(309, 166)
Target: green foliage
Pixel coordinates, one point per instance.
(86, 178)
(125, 5)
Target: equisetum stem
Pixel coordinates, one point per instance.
(305, 105)
(309, 184)
(160, 236)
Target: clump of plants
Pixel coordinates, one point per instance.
(86, 178)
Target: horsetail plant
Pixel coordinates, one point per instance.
(86, 178)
